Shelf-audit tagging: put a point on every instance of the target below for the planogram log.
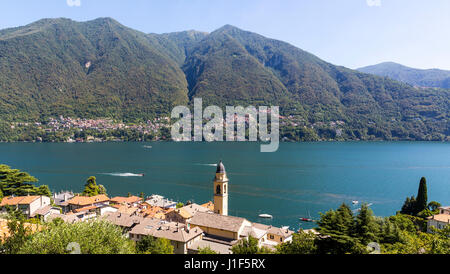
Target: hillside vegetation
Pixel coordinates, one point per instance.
(101, 68)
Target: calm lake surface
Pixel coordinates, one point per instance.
(298, 180)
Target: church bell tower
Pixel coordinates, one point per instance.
(221, 190)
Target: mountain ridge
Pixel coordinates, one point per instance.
(436, 78)
(101, 68)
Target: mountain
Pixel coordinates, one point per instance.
(96, 68)
(417, 77)
(101, 68)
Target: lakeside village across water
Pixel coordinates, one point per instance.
(71, 130)
(193, 228)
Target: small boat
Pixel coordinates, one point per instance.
(142, 174)
(266, 216)
(306, 220)
(355, 202)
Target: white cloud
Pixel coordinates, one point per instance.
(74, 3)
(373, 3)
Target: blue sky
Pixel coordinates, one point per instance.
(352, 33)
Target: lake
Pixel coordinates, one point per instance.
(299, 180)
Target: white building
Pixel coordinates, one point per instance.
(160, 201)
(27, 204)
(440, 220)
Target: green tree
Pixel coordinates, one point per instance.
(339, 226)
(249, 246)
(409, 206)
(91, 188)
(422, 196)
(44, 190)
(152, 245)
(366, 227)
(19, 183)
(19, 233)
(302, 243)
(180, 205)
(206, 250)
(93, 237)
(101, 189)
(403, 222)
(434, 206)
(419, 243)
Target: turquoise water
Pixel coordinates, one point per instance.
(299, 179)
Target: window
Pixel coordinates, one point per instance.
(225, 189)
(218, 189)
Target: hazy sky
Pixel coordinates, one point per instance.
(351, 33)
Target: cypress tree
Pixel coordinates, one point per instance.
(422, 196)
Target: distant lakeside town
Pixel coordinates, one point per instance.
(81, 130)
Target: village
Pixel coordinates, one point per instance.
(82, 130)
(189, 227)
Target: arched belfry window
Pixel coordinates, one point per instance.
(218, 189)
(224, 188)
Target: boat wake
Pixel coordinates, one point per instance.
(123, 174)
(206, 164)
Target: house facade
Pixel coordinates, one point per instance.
(27, 204)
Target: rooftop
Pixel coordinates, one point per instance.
(220, 168)
(84, 200)
(122, 219)
(19, 200)
(86, 208)
(68, 218)
(126, 200)
(183, 213)
(168, 230)
(192, 209)
(220, 248)
(209, 205)
(445, 218)
(228, 223)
